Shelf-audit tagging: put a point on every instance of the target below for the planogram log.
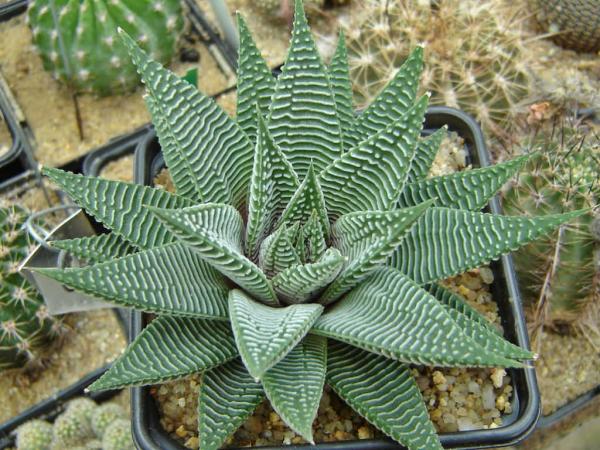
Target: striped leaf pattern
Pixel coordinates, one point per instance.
(427, 149)
(208, 155)
(390, 315)
(214, 231)
(121, 206)
(303, 118)
(339, 76)
(228, 396)
(100, 248)
(469, 189)
(294, 386)
(313, 232)
(394, 100)
(255, 82)
(445, 242)
(384, 392)
(264, 335)
(272, 185)
(371, 176)
(301, 283)
(169, 348)
(307, 198)
(277, 252)
(171, 279)
(475, 326)
(367, 239)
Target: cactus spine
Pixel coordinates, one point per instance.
(475, 59)
(575, 24)
(25, 326)
(77, 39)
(559, 274)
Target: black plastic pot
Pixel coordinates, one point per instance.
(20, 157)
(568, 409)
(149, 434)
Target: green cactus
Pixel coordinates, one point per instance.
(473, 50)
(78, 43)
(574, 24)
(118, 436)
(104, 415)
(25, 326)
(34, 435)
(82, 406)
(560, 268)
(72, 428)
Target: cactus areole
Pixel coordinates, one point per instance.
(302, 247)
(79, 45)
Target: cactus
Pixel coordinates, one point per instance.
(574, 24)
(474, 56)
(82, 406)
(72, 429)
(560, 269)
(34, 435)
(118, 436)
(25, 326)
(104, 415)
(78, 42)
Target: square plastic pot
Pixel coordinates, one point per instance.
(146, 427)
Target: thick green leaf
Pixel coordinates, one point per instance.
(228, 396)
(394, 100)
(469, 189)
(425, 153)
(303, 117)
(294, 386)
(445, 242)
(339, 76)
(171, 279)
(391, 315)
(367, 239)
(169, 348)
(100, 248)
(255, 82)
(214, 231)
(384, 392)
(208, 155)
(476, 326)
(313, 233)
(300, 245)
(121, 206)
(371, 176)
(272, 185)
(307, 198)
(301, 283)
(277, 252)
(264, 335)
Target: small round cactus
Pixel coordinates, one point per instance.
(104, 415)
(473, 53)
(34, 435)
(561, 268)
(574, 24)
(72, 429)
(82, 406)
(25, 326)
(118, 436)
(78, 41)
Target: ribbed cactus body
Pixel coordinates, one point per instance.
(25, 327)
(77, 39)
(563, 176)
(575, 24)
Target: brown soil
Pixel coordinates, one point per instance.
(568, 367)
(92, 340)
(48, 105)
(120, 169)
(5, 137)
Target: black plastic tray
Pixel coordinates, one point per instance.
(21, 154)
(146, 427)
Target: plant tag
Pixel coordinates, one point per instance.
(58, 298)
